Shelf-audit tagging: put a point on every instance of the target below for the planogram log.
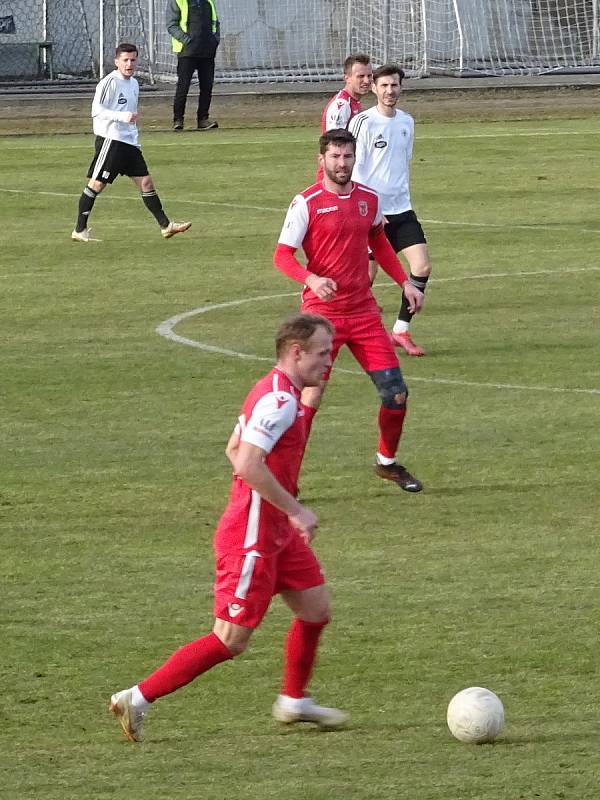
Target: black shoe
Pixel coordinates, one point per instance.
(207, 124)
(400, 475)
(178, 125)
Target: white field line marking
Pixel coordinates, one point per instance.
(166, 329)
(269, 209)
(128, 199)
(192, 141)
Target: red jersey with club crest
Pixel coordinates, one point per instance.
(333, 230)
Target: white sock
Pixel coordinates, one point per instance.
(138, 699)
(400, 326)
(384, 460)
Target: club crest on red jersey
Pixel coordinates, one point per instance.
(363, 208)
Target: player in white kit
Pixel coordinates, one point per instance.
(115, 114)
(384, 147)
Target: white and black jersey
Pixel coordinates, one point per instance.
(384, 148)
(115, 98)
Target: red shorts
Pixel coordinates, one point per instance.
(245, 584)
(368, 341)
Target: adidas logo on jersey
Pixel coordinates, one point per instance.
(122, 100)
(380, 142)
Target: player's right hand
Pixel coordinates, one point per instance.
(324, 288)
(414, 297)
(306, 522)
(132, 117)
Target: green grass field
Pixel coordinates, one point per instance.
(113, 476)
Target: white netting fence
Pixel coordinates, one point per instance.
(286, 40)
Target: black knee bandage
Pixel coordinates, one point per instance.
(391, 387)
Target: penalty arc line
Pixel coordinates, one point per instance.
(166, 330)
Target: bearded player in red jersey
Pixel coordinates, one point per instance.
(262, 541)
(335, 222)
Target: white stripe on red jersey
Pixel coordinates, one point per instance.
(339, 111)
(272, 418)
(337, 114)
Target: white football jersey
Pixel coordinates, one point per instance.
(116, 97)
(384, 148)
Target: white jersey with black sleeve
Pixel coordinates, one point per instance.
(115, 98)
(384, 147)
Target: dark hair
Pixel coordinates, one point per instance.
(298, 329)
(357, 58)
(388, 69)
(125, 47)
(337, 136)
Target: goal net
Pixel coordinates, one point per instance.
(289, 40)
(42, 39)
(266, 40)
(492, 37)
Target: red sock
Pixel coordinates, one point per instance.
(184, 665)
(300, 655)
(391, 421)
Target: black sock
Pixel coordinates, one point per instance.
(154, 206)
(404, 314)
(86, 203)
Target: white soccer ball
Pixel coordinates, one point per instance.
(475, 715)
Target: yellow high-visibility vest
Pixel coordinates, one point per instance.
(183, 7)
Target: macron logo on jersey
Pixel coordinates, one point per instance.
(327, 210)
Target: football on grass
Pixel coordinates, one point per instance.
(475, 715)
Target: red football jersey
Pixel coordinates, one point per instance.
(337, 114)
(339, 111)
(333, 231)
(271, 418)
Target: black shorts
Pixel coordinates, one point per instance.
(404, 230)
(113, 158)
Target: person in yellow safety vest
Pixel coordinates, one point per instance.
(195, 31)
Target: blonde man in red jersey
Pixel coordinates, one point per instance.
(345, 104)
(262, 542)
(335, 222)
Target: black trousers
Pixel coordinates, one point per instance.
(186, 66)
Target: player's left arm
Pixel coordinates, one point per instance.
(411, 139)
(385, 256)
